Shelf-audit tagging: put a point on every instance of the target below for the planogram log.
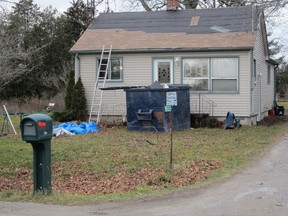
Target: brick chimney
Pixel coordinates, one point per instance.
(172, 5)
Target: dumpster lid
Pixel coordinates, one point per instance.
(172, 87)
(154, 86)
(121, 87)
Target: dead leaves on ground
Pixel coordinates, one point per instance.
(20, 179)
(122, 182)
(271, 120)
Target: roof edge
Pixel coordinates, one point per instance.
(164, 50)
(272, 61)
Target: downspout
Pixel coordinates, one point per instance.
(251, 84)
(252, 87)
(253, 11)
(275, 67)
(261, 27)
(259, 97)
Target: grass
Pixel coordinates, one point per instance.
(115, 150)
(283, 103)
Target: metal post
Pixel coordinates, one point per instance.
(42, 167)
(213, 108)
(7, 114)
(199, 103)
(171, 142)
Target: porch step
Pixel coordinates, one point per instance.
(203, 120)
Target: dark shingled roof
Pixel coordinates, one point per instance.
(238, 19)
(198, 29)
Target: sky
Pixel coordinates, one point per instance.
(62, 5)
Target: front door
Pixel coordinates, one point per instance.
(163, 71)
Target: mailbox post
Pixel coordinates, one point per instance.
(37, 130)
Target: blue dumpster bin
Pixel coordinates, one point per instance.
(145, 108)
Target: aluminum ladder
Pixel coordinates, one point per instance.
(101, 75)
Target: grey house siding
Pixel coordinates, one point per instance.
(263, 94)
(137, 70)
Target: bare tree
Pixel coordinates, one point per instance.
(149, 5)
(270, 6)
(231, 3)
(14, 60)
(31, 61)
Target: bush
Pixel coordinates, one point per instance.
(79, 104)
(65, 116)
(69, 91)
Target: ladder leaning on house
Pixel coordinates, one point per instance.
(101, 75)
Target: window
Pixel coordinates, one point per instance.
(115, 69)
(211, 74)
(269, 75)
(196, 73)
(224, 74)
(254, 73)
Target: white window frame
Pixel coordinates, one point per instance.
(210, 74)
(188, 80)
(109, 69)
(254, 72)
(228, 77)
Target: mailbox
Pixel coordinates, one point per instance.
(36, 127)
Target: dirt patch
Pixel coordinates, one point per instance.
(122, 182)
(271, 120)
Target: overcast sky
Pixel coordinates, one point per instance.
(62, 5)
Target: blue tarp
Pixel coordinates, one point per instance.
(83, 128)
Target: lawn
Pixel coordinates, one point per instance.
(117, 164)
(283, 103)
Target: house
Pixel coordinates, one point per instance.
(221, 53)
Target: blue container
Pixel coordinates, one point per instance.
(146, 108)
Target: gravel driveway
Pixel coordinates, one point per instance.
(261, 189)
